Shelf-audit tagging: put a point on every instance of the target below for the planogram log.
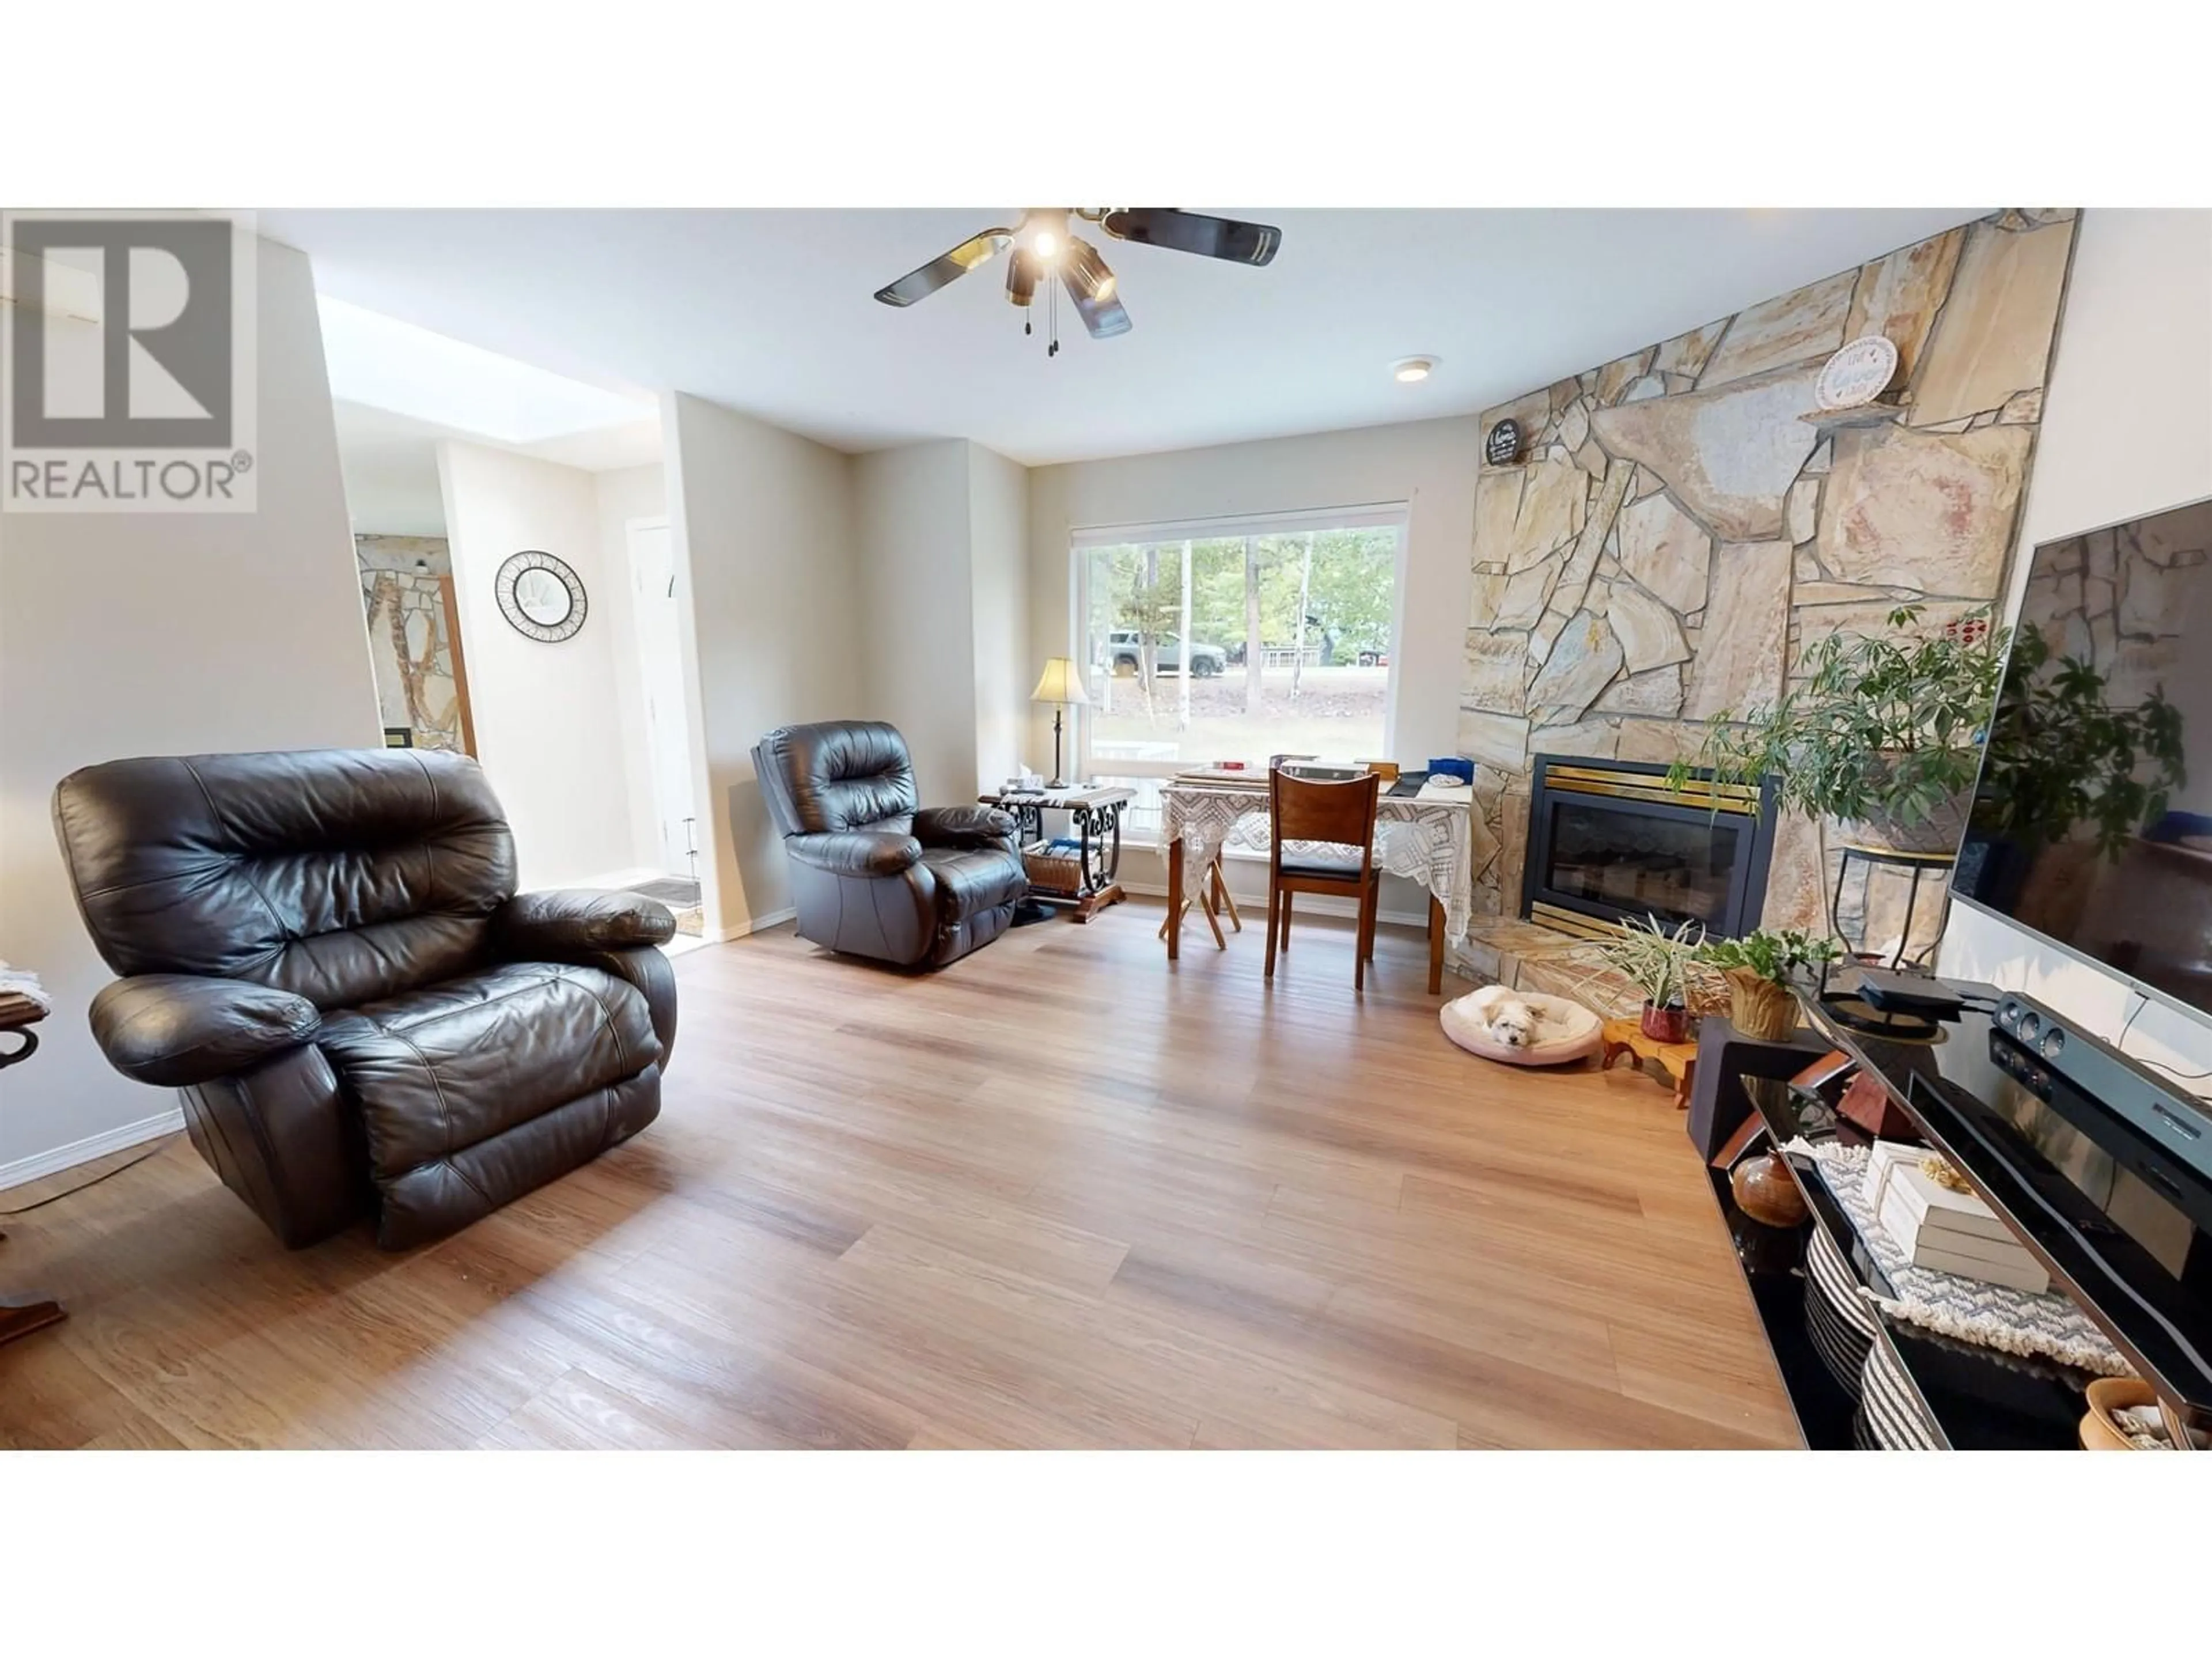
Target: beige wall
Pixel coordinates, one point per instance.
(916, 593)
(998, 554)
(127, 634)
(943, 572)
(2127, 430)
(548, 715)
(765, 532)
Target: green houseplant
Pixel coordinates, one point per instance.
(1660, 963)
(1759, 969)
(1881, 731)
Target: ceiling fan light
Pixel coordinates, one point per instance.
(1085, 273)
(1044, 232)
(1023, 274)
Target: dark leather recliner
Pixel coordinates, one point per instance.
(324, 952)
(872, 872)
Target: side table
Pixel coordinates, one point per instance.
(1678, 1060)
(20, 1317)
(1097, 811)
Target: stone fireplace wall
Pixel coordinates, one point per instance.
(1683, 519)
(405, 583)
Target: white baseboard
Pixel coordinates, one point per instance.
(758, 924)
(1321, 901)
(41, 1165)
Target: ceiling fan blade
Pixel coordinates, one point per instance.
(921, 283)
(1236, 240)
(1103, 317)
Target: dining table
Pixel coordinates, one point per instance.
(1427, 837)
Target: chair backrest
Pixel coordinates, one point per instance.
(1340, 814)
(835, 775)
(342, 875)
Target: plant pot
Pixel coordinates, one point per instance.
(1939, 832)
(1757, 1007)
(1668, 1024)
(2107, 1395)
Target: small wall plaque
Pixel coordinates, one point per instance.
(1857, 374)
(1503, 447)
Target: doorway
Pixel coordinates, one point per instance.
(656, 611)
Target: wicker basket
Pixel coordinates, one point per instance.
(1054, 872)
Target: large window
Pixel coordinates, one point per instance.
(1236, 642)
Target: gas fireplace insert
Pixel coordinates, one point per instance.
(1610, 842)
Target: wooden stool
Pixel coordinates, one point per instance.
(1213, 898)
(1678, 1060)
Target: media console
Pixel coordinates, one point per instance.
(2123, 1220)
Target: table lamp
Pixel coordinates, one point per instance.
(1060, 685)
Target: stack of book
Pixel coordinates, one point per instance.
(23, 999)
(1954, 1232)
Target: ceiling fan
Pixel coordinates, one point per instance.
(1047, 255)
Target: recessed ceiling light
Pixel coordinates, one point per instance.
(1410, 369)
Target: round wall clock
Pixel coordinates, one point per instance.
(1857, 374)
(541, 596)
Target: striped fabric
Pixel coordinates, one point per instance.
(1891, 1417)
(1838, 1318)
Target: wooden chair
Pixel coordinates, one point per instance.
(1338, 815)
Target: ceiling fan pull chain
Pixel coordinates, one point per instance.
(1052, 302)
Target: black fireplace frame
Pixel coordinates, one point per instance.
(1701, 799)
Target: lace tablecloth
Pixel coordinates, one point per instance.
(1428, 838)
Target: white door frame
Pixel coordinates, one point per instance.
(678, 856)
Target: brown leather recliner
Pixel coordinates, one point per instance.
(871, 873)
(325, 953)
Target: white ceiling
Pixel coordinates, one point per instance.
(390, 463)
(387, 363)
(771, 312)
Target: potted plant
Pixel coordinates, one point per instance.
(1883, 732)
(1762, 1003)
(1659, 963)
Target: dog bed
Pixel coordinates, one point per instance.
(1564, 1030)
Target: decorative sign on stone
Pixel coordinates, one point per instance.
(1857, 374)
(1503, 447)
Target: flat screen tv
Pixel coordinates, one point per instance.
(2092, 821)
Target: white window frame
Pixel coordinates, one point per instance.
(1393, 515)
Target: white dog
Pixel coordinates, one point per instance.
(1508, 1020)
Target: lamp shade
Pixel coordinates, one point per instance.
(1062, 682)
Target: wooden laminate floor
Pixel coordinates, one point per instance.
(1056, 1195)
